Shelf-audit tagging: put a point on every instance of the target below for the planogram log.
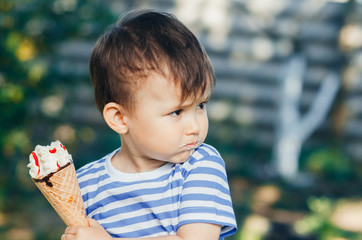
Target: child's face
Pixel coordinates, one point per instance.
(162, 129)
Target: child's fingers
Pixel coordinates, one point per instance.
(71, 230)
(67, 237)
(94, 230)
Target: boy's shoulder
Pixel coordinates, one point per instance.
(94, 167)
(205, 155)
(207, 150)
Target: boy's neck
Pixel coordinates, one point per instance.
(125, 162)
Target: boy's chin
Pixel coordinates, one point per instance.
(183, 156)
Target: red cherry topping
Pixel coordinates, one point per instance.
(36, 161)
(62, 147)
(53, 150)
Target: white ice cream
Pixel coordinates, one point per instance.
(48, 159)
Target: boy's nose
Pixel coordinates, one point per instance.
(193, 126)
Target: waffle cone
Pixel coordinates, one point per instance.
(62, 191)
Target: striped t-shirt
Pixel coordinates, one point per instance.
(158, 202)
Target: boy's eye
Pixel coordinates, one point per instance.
(176, 113)
(201, 105)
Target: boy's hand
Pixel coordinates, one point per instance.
(95, 231)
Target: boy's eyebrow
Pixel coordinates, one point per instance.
(203, 98)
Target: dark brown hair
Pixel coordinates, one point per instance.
(143, 41)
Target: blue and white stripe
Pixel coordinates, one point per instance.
(158, 202)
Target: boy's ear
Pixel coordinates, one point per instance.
(113, 114)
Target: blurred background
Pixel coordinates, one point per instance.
(286, 113)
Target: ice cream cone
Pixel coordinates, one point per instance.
(62, 191)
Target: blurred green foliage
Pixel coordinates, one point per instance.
(30, 34)
(330, 163)
(320, 221)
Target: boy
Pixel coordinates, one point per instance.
(152, 80)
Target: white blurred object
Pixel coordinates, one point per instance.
(292, 128)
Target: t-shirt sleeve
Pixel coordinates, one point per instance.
(205, 196)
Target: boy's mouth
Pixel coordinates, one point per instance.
(191, 145)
